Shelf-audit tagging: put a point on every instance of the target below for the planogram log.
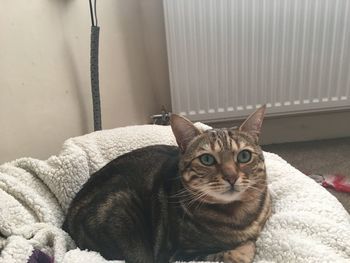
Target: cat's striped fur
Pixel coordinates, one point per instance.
(206, 200)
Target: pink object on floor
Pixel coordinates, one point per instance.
(337, 181)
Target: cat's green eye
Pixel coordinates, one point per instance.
(244, 156)
(207, 159)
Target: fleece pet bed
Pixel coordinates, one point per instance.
(307, 224)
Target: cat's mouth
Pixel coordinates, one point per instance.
(222, 196)
(222, 193)
(226, 197)
(232, 190)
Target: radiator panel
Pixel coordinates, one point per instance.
(227, 57)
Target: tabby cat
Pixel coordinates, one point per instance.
(204, 200)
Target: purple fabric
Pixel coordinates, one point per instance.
(40, 257)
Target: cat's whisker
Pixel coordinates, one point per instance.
(255, 189)
(197, 197)
(189, 197)
(200, 203)
(261, 185)
(182, 193)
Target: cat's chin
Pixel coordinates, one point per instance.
(227, 197)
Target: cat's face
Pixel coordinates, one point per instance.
(221, 165)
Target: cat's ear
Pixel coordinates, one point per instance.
(253, 123)
(184, 130)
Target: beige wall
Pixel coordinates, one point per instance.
(44, 70)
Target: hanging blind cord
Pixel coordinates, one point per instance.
(95, 90)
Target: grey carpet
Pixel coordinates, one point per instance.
(318, 157)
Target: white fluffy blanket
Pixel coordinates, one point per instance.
(307, 224)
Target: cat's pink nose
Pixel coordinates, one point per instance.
(232, 180)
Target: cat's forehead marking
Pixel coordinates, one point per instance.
(222, 140)
(214, 140)
(233, 144)
(217, 140)
(229, 140)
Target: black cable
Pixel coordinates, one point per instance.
(94, 73)
(95, 90)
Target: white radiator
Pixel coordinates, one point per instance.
(227, 57)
